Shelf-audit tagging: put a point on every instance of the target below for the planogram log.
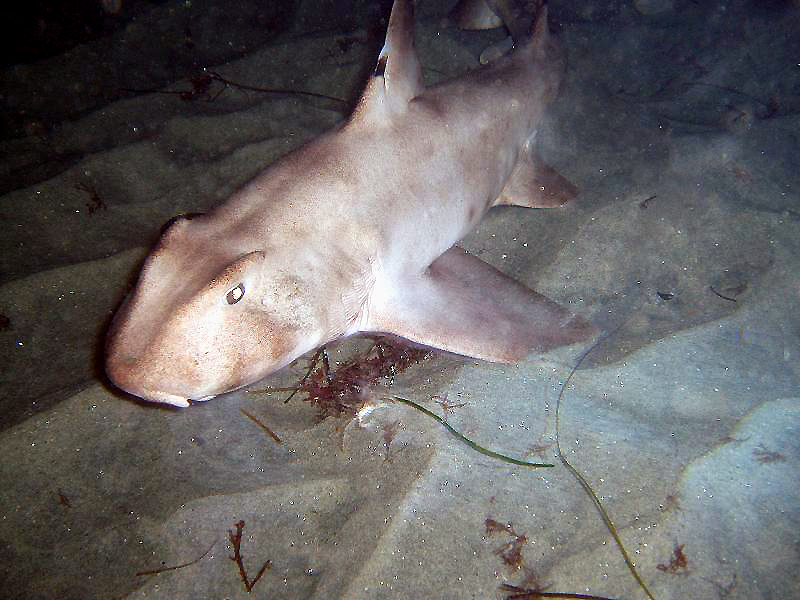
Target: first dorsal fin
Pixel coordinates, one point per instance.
(397, 77)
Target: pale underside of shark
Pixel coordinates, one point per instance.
(355, 232)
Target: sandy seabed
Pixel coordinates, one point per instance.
(681, 130)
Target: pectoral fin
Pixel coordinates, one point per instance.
(534, 184)
(463, 305)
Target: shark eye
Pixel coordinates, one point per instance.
(235, 294)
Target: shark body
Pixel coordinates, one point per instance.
(355, 232)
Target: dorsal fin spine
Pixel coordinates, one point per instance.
(397, 77)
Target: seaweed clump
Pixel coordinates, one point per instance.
(340, 391)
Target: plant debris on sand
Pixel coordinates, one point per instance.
(339, 391)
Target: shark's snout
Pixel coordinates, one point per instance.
(126, 373)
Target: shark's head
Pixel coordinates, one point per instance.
(204, 318)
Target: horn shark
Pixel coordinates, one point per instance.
(355, 232)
